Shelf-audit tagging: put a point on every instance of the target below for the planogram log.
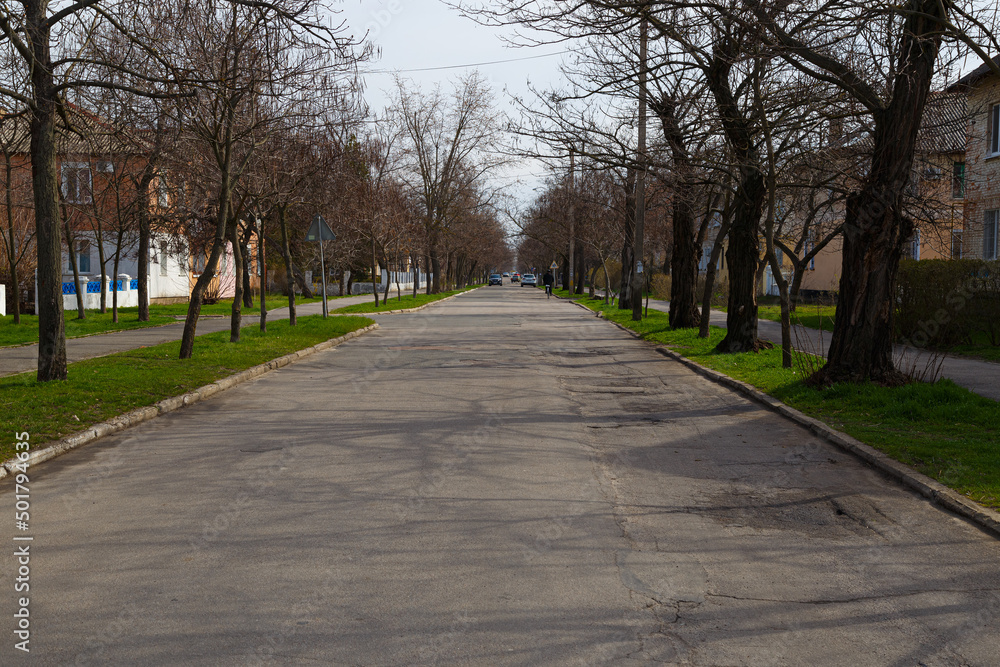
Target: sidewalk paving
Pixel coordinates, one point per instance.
(21, 359)
(981, 377)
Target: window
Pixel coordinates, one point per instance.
(956, 244)
(76, 183)
(990, 234)
(994, 130)
(197, 263)
(162, 192)
(958, 180)
(83, 256)
(808, 249)
(163, 259)
(915, 244)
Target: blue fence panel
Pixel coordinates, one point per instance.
(94, 288)
(69, 288)
(117, 286)
(133, 284)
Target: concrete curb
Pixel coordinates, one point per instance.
(412, 310)
(937, 493)
(139, 415)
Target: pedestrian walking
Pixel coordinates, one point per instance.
(548, 279)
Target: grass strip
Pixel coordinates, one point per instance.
(396, 303)
(102, 388)
(97, 323)
(942, 430)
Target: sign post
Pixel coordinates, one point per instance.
(319, 231)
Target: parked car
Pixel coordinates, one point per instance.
(506, 274)
(529, 280)
(496, 279)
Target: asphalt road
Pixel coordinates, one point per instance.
(499, 479)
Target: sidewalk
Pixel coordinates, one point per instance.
(25, 358)
(981, 377)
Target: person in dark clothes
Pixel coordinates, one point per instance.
(548, 279)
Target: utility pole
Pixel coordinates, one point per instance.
(572, 215)
(640, 181)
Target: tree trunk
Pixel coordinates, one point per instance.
(743, 249)
(581, 269)
(236, 314)
(45, 184)
(263, 277)
(104, 270)
(245, 255)
(9, 241)
(81, 313)
(286, 253)
(142, 198)
(713, 267)
(875, 228)
(685, 252)
(374, 266)
(118, 255)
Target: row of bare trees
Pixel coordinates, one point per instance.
(230, 122)
(780, 128)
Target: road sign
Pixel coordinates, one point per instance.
(553, 266)
(638, 267)
(320, 228)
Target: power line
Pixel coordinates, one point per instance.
(444, 67)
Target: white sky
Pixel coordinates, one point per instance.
(416, 34)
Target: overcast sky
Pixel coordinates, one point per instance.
(422, 34)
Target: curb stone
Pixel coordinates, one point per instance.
(413, 310)
(934, 491)
(139, 415)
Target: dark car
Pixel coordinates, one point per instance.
(529, 280)
(496, 279)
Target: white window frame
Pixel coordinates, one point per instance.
(990, 228)
(993, 140)
(83, 254)
(71, 188)
(915, 244)
(163, 258)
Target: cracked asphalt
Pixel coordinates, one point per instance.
(499, 479)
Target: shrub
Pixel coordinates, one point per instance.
(661, 286)
(940, 303)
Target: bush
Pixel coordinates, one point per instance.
(661, 286)
(615, 274)
(720, 290)
(941, 302)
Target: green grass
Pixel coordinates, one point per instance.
(945, 431)
(394, 303)
(980, 348)
(96, 323)
(814, 317)
(98, 389)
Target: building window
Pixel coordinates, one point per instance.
(990, 234)
(808, 249)
(958, 180)
(76, 182)
(162, 192)
(994, 125)
(197, 263)
(83, 256)
(915, 244)
(956, 244)
(163, 259)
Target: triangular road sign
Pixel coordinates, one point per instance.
(318, 228)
